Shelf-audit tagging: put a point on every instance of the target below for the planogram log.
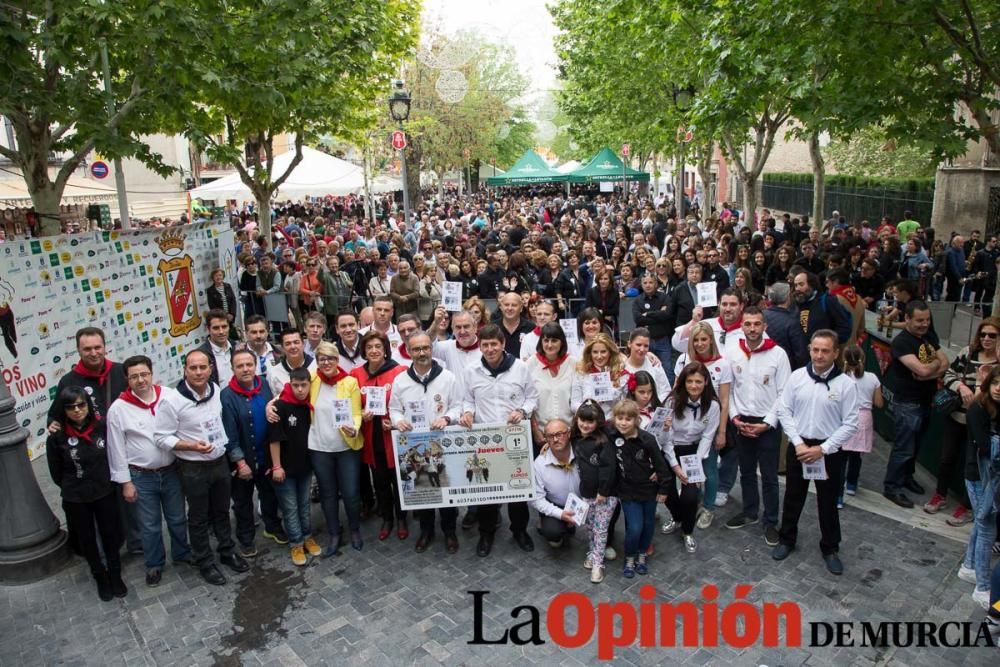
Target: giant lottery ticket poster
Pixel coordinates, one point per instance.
(482, 465)
(145, 289)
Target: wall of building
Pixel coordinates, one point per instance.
(962, 200)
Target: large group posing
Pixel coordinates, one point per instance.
(298, 401)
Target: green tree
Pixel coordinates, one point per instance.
(53, 93)
(870, 152)
(302, 67)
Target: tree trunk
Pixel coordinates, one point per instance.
(413, 158)
(703, 162)
(45, 201)
(474, 175)
(819, 181)
(263, 196)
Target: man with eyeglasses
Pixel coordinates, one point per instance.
(146, 473)
(427, 384)
(556, 476)
(715, 272)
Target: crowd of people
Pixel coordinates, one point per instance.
(336, 335)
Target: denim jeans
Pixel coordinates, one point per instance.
(293, 497)
(161, 497)
(206, 488)
(909, 421)
(729, 460)
(760, 452)
(664, 351)
(243, 505)
(640, 519)
(338, 475)
(981, 497)
(711, 466)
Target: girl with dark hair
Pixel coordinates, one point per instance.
(552, 372)
(595, 457)
(869, 394)
(589, 323)
(78, 462)
(694, 424)
(642, 389)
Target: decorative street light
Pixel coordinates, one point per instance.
(399, 109)
(683, 97)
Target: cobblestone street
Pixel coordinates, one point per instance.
(388, 605)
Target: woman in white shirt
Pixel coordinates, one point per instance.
(334, 446)
(600, 375)
(694, 423)
(702, 348)
(378, 285)
(552, 371)
(869, 394)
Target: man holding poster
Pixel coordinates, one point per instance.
(499, 389)
(429, 389)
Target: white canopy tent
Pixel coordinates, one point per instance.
(570, 166)
(317, 175)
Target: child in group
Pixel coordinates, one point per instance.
(291, 472)
(695, 421)
(642, 389)
(638, 457)
(869, 394)
(595, 461)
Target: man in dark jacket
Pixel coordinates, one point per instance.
(651, 310)
(783, 324)
(491, 277)
(818, 310)
(685, 297)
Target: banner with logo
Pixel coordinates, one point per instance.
(482, 465)
(145, 289)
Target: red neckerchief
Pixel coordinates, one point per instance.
(337, 377)
(732, 327)
(246, 393)
(288, 396)
(551, 366)
(80, 369)
(706, 360)
(132, 399)
(402, 351)
(847, 292)
(537, 331)
(470, 348)
(84, 434)
(765, 345)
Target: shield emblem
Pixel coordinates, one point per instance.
(178, 286)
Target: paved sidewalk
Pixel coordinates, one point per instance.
(387, 605)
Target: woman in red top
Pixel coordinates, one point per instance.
(379, 370)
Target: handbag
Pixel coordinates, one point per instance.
(946, 401)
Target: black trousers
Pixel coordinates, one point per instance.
(489, 517)
(554, 529)
(952, 461)
(206, 486)
(92, 521)
(386, 484)
(242, 492)
(827, 490)
(683, 505)
(449, 520)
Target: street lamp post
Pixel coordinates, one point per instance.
(399, 109)
(682, 102)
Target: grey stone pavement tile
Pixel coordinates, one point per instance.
(387, 605)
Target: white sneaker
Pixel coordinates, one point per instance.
(982, 597)
(610, 553)
(705, 519)
(597, 575)
(721, 499)
(588, 564)
(668, 526)
(689, 544)
(967, 574)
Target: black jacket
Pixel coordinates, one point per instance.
(682, 304)
(103, 395)
(654, 314)
(608, 303)
(638, 458)
(784, 327)
(596, 463)
(79, 465)
(980, 427)
(826, 312)
(489, 282)
(215, 299)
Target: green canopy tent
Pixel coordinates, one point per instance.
(528, 170)
(605, 166)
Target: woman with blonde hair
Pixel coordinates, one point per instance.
(478, 309)
(600, 375)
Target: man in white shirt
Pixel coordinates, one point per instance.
(257, 342)
(145, 471)
(461, 352)
(218, 346)
(382, 312)
(545, 312)
(760, 371)
(407, 325)
(819, 412)
(729, 323)
(347, 341)
(429, 391)
(189, 423)
(556, 476)
(294, 355)
(499, 389)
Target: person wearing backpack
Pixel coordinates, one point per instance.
(817, 310)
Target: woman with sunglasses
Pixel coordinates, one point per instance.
(78, 462)
(966, 375)
(310, 287)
